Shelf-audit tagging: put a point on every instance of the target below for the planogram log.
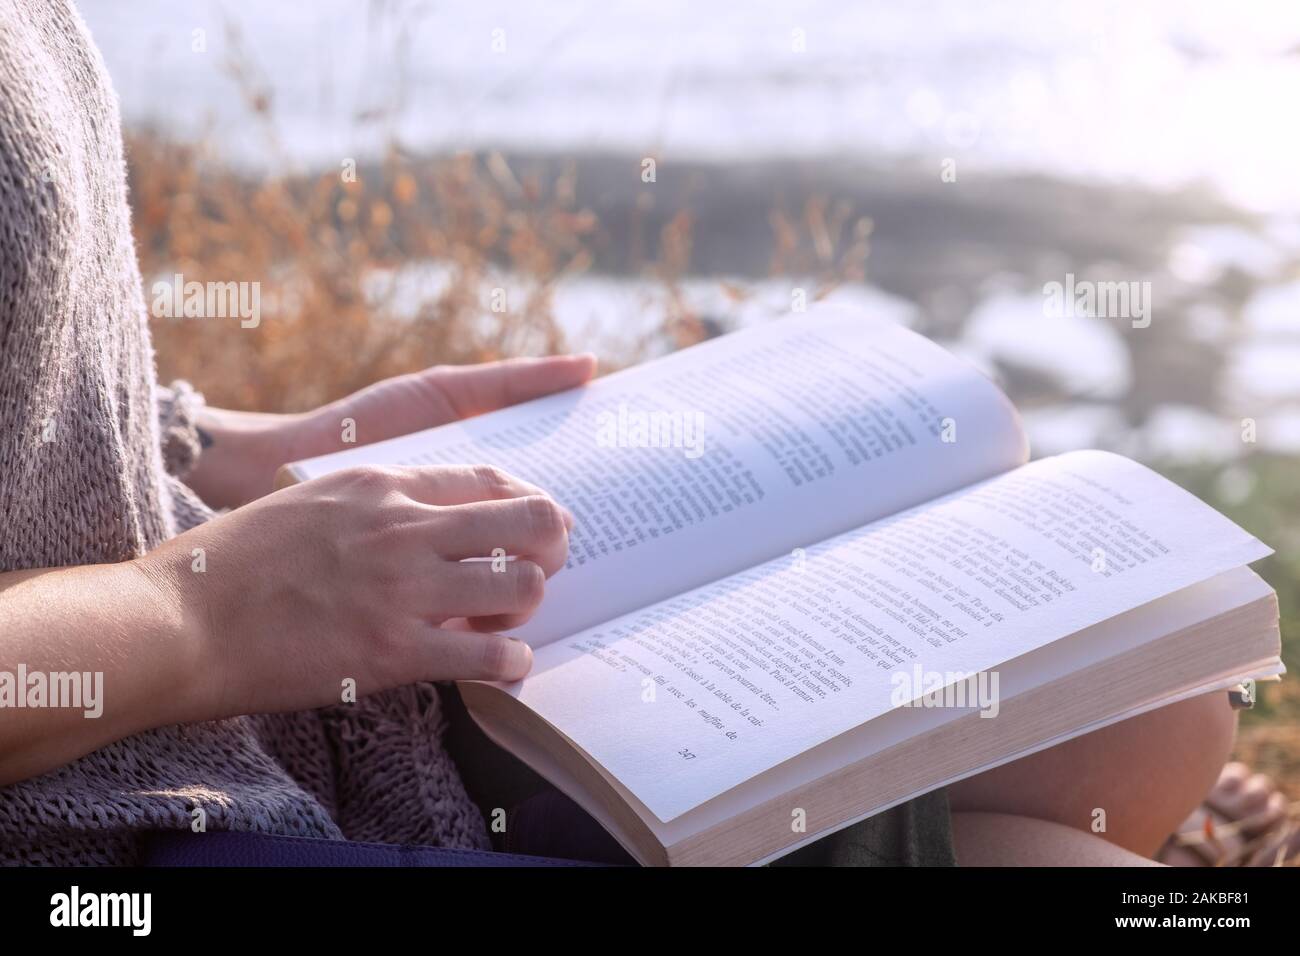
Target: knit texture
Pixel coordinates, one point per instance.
(91, 455)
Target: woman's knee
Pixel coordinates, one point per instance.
(1133, 782)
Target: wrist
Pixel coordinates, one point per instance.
(189, 669)
(242, 453)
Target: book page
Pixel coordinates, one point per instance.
(686, 699)
(715, 458)
(1084, 650)
(808, 780)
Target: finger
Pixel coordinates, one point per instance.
(477, 589)
(535, 528)
(494, 624)
(1232, 776)
(437, 654)
(474, 389)
(464, 484)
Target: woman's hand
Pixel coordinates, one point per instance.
(354, 576)
(247, 448)
(359, 576)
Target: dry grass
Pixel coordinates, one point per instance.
(326, 253)
(1270, 743)
(339, 310)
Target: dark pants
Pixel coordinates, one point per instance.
(541, 821)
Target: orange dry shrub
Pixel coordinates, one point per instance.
(327, 254)
(400, 267)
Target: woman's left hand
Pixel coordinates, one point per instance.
(245, 449)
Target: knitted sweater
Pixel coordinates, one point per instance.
(91, 452)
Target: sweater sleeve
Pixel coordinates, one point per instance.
(178, 408)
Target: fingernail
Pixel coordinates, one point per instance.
(525, 662)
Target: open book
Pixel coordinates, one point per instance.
(812, 577)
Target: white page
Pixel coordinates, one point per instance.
(1118, 635)
(750, 671)
(778, 409)
(1110, 638)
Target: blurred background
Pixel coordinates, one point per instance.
(632, 177)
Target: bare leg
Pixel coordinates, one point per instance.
(1147, 774)
(997, 839)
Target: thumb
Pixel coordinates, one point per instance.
(474, 389)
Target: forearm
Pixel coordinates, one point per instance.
(114, 620)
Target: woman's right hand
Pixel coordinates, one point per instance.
(359, 575)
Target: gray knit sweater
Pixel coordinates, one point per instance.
(91, 452)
